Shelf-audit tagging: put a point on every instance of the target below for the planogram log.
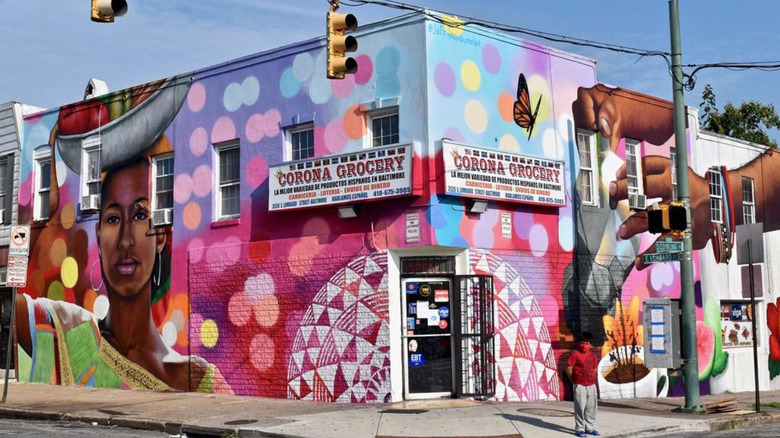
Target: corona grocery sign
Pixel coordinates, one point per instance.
(490, 174)
(341, 179)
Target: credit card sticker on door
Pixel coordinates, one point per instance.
(416, 360)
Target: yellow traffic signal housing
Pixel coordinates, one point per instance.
(339, 44)
(667, 218)
(104, 11)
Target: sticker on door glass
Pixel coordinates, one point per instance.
(412, 309)
(425, 290)
(411, 288)
(416, 359)
(422, 309)
(410, 323)
(444, 312)
(443, 324)
(413, 346)
(441, 295)
(433, 319)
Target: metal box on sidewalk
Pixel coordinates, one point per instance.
(661, 320)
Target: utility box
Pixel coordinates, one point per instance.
(661, 319)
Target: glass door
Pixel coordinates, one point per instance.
(427, 337)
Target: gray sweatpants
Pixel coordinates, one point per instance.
(585, 407)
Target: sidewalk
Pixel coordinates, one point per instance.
(203, 415)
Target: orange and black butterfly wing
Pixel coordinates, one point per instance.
(522, 108)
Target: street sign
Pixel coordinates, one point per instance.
(669, 246)
(20, 241)
(662, 257)
(16, 275)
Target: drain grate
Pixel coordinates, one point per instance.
(404, 411)
(239, 422)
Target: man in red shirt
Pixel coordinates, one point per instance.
(581, 369)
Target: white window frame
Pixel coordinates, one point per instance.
(155, 163)
(290, 135)
(220, 186)
(378, 114)
(634, 150)
(748, 206)
(90, 146)
(673, 166)
(716, 195)
(41, 158)
(588, 138)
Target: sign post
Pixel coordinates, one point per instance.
(18, 252)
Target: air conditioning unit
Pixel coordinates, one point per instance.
(637, 201)
(162, 217)
(90, 203)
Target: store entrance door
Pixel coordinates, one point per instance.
(427, 339)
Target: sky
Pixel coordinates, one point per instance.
(50, 49)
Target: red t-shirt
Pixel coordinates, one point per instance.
(583, 367)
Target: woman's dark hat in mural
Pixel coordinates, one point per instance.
(134, 131)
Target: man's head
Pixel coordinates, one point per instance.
(585, 341)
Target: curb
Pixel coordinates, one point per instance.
(169, 427)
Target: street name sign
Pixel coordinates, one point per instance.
(662, 257)
(669, 246)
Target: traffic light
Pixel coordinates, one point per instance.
(104, 11)
(339, 44)
(667, 218)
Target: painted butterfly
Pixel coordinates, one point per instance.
(522, 109)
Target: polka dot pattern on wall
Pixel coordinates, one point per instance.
(355, 121)
(509, 143)
(259, 126)
(69, 272)
(199, 141)
(506, 105)
(223, 130)
(365, 70)
(470, 76)
(209, 333)
(202, 181)
(245, 93)
(262, 352)
(302, 67)
(475, 116)
(239, 309)
(539, 240)
(196, 98)
(335, 137)
(182, 188)
(444, 79)
(288, 85)
(342, 88)
(491, 58)
(191, 216)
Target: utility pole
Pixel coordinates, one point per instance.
(689, 345)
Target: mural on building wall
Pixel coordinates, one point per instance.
(100, 280)
(304, 294)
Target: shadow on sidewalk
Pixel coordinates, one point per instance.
(537, 422)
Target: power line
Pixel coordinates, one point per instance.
(465, 21)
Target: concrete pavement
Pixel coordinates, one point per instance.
(199, 415)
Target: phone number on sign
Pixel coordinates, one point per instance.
(392, 192)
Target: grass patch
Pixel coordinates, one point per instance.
(773, 405)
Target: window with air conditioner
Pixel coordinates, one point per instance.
(748, 201)
(716, 195)
(228, 178)
(42, 184)
(90, 175)
(162, 190)
(383, 129)
(588, 176)
(300, 142)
